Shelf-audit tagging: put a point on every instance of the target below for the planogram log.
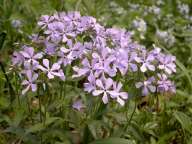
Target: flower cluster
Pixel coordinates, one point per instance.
(102, 55)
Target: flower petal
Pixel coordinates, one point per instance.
(99, 83)
(25, 54)
(138, 84)
(145, 91)
(105, 98)
(143, 68)
(152, 88)
(34, 78)
(151, 67)
(108, 83)
(97, 92)
(25, 82)
(33, 87)
(25, 90)
(55, 66)
(50, 75)
(46, 63)
(123, 95)
(38, 56)
(120, 101)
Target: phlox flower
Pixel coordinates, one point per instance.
(86, 70)
(91, 84)
(104, 60)
(104, 88)
(30, 82)
(52, 71)
(147, 86)
(17, 58)
(146, 61)
(78, 105)
(45, 20)
(164, 85)
(121, 96)
(167, 63)
(30, 55)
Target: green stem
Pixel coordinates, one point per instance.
(40, 111)
(86, 135)
(157, 103)
(129, 121)
(11, 91)
(97, 115)
(29, 109)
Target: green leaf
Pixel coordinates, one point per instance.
(184, 120)
(93, 126)
(164, 139)
(2, 39)
(112, 140)
(41, 126)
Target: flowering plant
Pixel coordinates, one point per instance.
(102, 57)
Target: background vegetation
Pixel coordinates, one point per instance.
(50, 120)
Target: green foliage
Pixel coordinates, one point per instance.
(47, 117)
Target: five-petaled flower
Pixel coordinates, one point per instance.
(146, 61)
(146, 86)
(164, 85)
(104, 87)
(167, 63)
(30, 55)
(52, 71)
(30, 82)
(78, 105)
(122, 96)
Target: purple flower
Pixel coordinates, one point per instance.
(156, 51)
(88, 47)
(86, 23)
(146, 86)
(99, 39)
(63, 56)
(119, 37)
(164, 84)
(67, 55)
(35, 38)
(122, 96)
(73, 18)
(167, 63)
(17, 58)
(75, 49)
(91, 84)
(30, 56)
(51, 71)
(44, 21)
(56, 31)
(87, 68)
(29, 83)
(50, 48)
(78, 105)
(104, 87)
(103, 63)
(146, 61)
(16, 23)
(131, 60)
(125, 61)
(29, 66)
(121, 61)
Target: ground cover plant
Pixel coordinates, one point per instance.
(86, 71)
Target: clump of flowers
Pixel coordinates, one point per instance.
(103, 56)
(141, 26)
